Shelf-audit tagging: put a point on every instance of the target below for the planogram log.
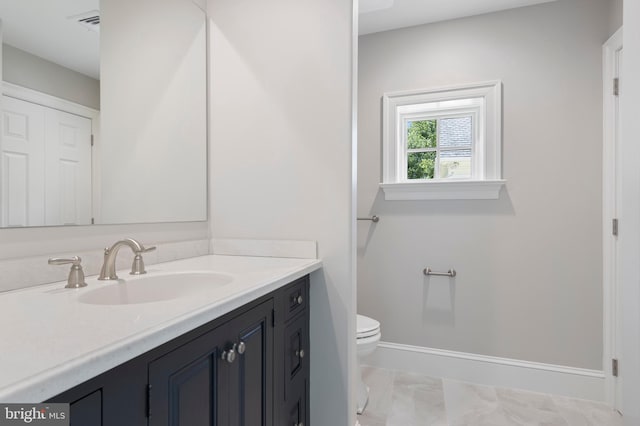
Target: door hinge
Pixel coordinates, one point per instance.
(614, 227)
(614, 367)
(616, 86)
(149, 400)
(91, 140)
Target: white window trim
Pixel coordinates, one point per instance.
(486, 182)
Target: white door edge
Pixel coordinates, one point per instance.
(610, 203)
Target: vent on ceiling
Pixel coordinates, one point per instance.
(89, 20)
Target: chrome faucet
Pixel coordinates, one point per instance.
(108, 271)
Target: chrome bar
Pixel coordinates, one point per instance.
(450, 273)
(374, 219)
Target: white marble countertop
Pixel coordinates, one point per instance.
(51, 342)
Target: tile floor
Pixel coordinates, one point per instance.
(404, 399)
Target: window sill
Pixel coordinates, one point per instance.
(443, 190)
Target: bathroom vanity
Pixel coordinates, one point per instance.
(240, 358)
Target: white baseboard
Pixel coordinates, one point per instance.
(492, 371)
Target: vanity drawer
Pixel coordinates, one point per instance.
(296, 355)
(296, 298)
(297, 408)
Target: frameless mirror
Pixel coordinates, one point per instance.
(103, 112)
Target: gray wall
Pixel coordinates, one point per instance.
(615, 15)
(24, 69)
(529, 282)
(281, 163)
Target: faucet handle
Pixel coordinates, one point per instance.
(76, 274)
(146, 250)
(63, 261)
(137, 268)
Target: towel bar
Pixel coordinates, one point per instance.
(450, 273)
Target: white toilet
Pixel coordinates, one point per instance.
(368, 333)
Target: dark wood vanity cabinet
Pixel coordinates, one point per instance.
(247, 368)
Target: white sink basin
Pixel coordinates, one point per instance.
(153, 288)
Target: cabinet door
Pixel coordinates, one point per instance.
(87, 410)
(292, 354)
(251, 399)
(187, 387)
(115, 398)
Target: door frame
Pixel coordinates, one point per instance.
(610, 204)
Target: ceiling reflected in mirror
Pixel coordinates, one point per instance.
(384, 15)
(62, 31)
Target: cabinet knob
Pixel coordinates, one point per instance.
(229, 355)
(298, 424)
(300, 353)
(299, 299)
(241, 347)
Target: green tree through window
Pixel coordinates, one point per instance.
(421, 135)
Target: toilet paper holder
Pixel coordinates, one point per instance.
(450, 273)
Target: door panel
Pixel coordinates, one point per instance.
(45, 166)
(187, 387)
(22, 164)
(252, 391)
(189, 400)
(252, 367)
(68, 168)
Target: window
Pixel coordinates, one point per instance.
(439, 148)
(443, 143)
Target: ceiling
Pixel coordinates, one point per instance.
(43, 28)
(383, 15)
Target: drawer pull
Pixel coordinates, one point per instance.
(229, 355)
(300, 353)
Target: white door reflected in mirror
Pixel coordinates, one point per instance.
(46, 166)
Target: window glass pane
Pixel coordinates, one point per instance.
(455, 164)
(455, 132)
(422, 134)
(421, 165)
